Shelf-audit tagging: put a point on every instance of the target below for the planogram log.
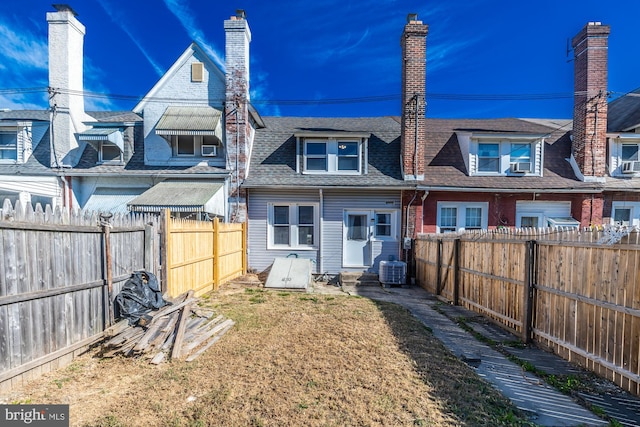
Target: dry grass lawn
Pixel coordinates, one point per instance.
(293, 359)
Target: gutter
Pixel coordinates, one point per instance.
(510, 190)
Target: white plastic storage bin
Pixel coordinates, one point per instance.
(393, 272)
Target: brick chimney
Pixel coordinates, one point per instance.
(590, 48)
(237, 123)
(413, 138)
(66, 40)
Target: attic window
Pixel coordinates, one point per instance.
(197, 72)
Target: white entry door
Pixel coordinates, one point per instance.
(356, 246)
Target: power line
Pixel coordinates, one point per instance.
(322, 101)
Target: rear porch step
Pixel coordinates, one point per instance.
(348, 278)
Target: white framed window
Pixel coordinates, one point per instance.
(629, 152)
(461, 216)
(8, 145)
(385, 225)
(109, 153)
(292, 225)
(335, 156)
(625, 214)
(488, 157)
(508, 156)
(194, 145)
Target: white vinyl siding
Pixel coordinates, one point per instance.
(488, 155)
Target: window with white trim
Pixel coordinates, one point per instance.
(194, 145)
(515, 157)
(461, 216)
(335, 156)
(385, 225)
(8, 145)
(109, 153)
(625, 213)
(488, 157)
(293, 225)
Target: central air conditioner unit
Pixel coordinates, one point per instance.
(208, 150)
(392, 272)
(631, 167)
(521, 167)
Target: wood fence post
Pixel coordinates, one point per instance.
(148, 248)
(216, 253)
(456, 272)
(165, 231)
(105, 220)
(245, 261)
(528, 292)
(438, 266)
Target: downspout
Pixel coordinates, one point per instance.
(415, 144)
(237, 172)
(69, 190)
(320, 231)
(424, 196)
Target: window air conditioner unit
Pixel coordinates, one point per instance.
(208, 150)
(631, 167)
(521, 167)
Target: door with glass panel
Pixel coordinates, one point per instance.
(356, 250)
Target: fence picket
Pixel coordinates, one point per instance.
(586, 294)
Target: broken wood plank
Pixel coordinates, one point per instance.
(116, 328)
(207, 334)
(184, 316)
(158, 358)
(210, 342)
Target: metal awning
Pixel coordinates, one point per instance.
(190, 121)
(563, 222)
(181, 196)
(94, 135)
(112, 200)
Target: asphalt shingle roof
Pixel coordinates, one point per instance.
(273, 162)
(624, 112)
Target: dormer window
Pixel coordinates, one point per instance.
(194, 145)
(8, 145)
(107, 141)
(625, 155)
(331, 156)
(502, 154)
(109, 153)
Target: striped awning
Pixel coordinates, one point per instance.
(96, 135)
(112, 199)
(178, 196)
(190, 121)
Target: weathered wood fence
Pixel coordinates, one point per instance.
(60, 272)
(577, 297)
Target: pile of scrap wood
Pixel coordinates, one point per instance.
(180, 330)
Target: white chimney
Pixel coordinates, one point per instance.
(66, 39)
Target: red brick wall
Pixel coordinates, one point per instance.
(502, 207)
(590, 48)
(414, 53)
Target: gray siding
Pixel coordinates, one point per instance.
(335, 202)
(260, 258)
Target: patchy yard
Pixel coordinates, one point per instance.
(292, 359)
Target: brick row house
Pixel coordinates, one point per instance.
(345, 193)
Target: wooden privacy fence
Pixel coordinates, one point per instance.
(54, 298)
(201, 255)
(60, 272)
(579, 298)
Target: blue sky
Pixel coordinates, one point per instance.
(318, 51)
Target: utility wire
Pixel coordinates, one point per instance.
(323, 101)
